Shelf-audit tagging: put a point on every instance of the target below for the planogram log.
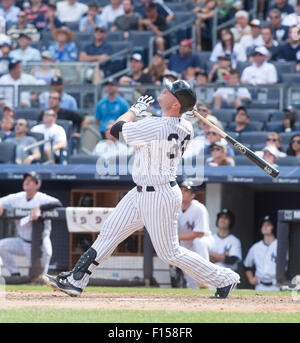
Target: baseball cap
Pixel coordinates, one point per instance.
(8, 105)
(13, 63)
(226, 57)
(172, 74)
(242, 14)
(221, 143)
(188, 184)
(24, 35)
(159, 53)
(100, 27)
(272, 150)
(111, 81)
(47, 54)
(57, 80)
(187, 42)
(267, 218)
(229, 213)
(34, 175)
(255, 22)
(290, 109)
(214, 120)
(261, 50)
(136, 56)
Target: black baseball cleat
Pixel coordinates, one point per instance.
(61, 283)
(223, 292)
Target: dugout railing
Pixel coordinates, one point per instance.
(58, 218)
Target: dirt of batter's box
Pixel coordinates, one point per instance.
(152, 301)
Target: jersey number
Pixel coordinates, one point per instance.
(177, 145)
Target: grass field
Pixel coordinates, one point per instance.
(37, 314)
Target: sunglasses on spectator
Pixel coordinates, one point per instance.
(53, 97)
(272, 139)
(296, 141)
(274, 16)
(20, 124)
(215, 149)
(211, 133)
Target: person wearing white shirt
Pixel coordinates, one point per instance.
(231, 97)
(30, 198)
(193, 227)
(260, 72)
(70, 10)
(52, 131)
(25, 53)
(16, 78)
(262, 256)
(9, 11)
(226, 251)
(112, 11)
(228, 46)
(254, 39)
(293, 18)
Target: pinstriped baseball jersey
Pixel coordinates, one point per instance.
(159, 145)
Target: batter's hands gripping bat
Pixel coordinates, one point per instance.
(260, 162)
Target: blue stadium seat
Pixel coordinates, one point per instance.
(288, 161)
(224, 114)
(28, 113)
(2, 136)
(7, 152)
(177, 6)
(290, 78)
(286, 136)
(252, 126)
(39, 137)
(115, 36)
(241, 160)
(241, 66)
(253, 137)
(83, 159)
(258, 115)
(140, 42)
(275, 115)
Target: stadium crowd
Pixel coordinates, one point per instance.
(45, 33)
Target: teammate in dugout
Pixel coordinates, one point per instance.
(193, 227)
(226, 250)
(262, 257)
(156, 200)
(30, 198)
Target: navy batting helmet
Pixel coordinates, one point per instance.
(184, 93)
(230, 214)
(188, 185)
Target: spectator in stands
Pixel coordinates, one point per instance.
(70, 10)
(7, 126)
(280, 30)
(273, 138)
(172, 76)
(220, 71)
(64, 50)
(67, 100)
(162, 9)
(283, 6)
(290, 51)
(205, 15)
(250, 42)
(128, 21)
(110, 146)
(271, 154)
(92, 19)
(228, 46)
(22, 26)
(112, 11)
(203, 93)
(184, 58)
(8, 110)
(231, 97)
(45, 72)
(269, 42)
(260, 72)
(241, 119)
(25, 53)
(36, 8)
(242, 27)
(48, 21)
(16, 77)
(4, 38)
(51, 130)
(219, 155)
(294, 146)
(77, 118)
(22, 140)
(288, 122)
(293, 18)
(138, 76)
(201, 128)
(5, 49)
(212, 137)
(156, 23)
(157, 69)
(111, 107)
(9, 11)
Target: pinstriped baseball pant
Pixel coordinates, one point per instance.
(158, 212)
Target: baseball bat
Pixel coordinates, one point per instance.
(260, 162)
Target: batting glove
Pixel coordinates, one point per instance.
(190, 114)
(143, 102)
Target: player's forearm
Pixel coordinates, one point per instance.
(127, 117)
(190, 236)
(217, 257)
(1, 209)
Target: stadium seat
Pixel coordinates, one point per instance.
(290, 78)
(83, 159)
(275, 115)
(252, 126)
(241, 66)
(115, 36)
(288, 161)
(28, 113)
(39, 137)
(177, 7)
(253, 137)
(241, 160)
(286, 136)
(7, 152)
(2, 136)
(258, 115)
(140, 42)
(224, 114)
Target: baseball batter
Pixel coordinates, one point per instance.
(193, 227)
(262, 256)
(156, 200)
(30, 198)
(226, 250)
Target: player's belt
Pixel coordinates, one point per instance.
(152, 189)
(25, 240)
(266, 283)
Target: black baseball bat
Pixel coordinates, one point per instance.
(260, 162)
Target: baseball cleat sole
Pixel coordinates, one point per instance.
(223, 292)
(65, 287)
